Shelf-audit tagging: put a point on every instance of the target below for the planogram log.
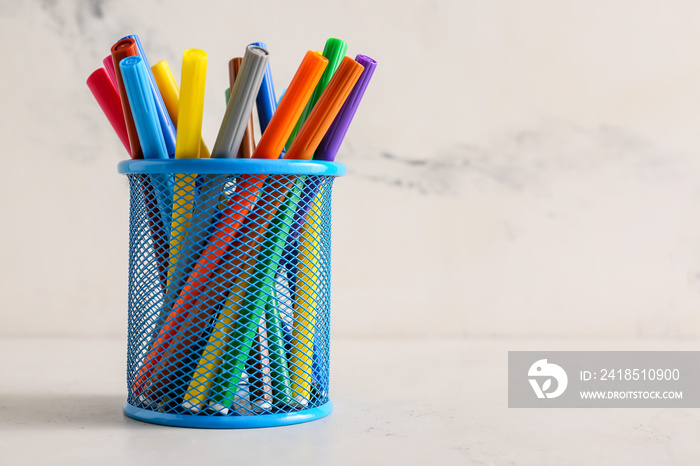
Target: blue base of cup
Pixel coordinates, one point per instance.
(228, 422)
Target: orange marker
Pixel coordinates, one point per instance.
(325, 110)
(291, 106)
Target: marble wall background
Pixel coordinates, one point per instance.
(517, 168)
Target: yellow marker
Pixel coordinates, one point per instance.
(306, 304)
(208, 367)
(171, 96)
(237, 273)
(189, 137)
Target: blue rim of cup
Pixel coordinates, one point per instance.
(232, 166)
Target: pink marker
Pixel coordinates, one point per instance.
(109, 66)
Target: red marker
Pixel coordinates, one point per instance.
(122, 49)
(107, 97)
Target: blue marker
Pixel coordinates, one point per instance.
(143, 108)
(266, 102)
(166, 124)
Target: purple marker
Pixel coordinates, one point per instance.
(326, 151)
(331, 142)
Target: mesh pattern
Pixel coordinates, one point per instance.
(229, 293)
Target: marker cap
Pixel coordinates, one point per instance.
(325, 110)
(109, 67)
(245, 151)
(170, 91)
(266, 101)
(191, 108)
(330, 144)
(107, 97)
(290, 107)
(122, 49)
(240, 105)
(334, 51)
(143, 107)
(166, 125)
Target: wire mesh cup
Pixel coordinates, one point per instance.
(229, 291)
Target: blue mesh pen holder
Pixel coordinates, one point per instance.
(229, 291)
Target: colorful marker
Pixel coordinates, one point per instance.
(107, 97)
(240, 106)
(306, 303)
(120, 50)
(166, 125)
(310, 135)
(108, 63)
(143, 108)
(259, 380)
(270, 146)
(246, 194)
(331, 142)
(303, 147)
(245, 151)
(310, 231)
(188, 145)
(190, 113)
(132, 74)
(170, 91)
(266, 102)
(334, 51)
(291, 106)
(231, 134)
(325, 110)
(171, 96)
(327, 151)
(252, 308)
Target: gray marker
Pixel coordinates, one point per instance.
(228, 141)
(238, 110)
(240, 105)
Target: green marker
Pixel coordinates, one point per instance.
(279, 366)
(334, 51)
(261, 286)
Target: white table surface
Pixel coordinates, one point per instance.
(396, 402)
